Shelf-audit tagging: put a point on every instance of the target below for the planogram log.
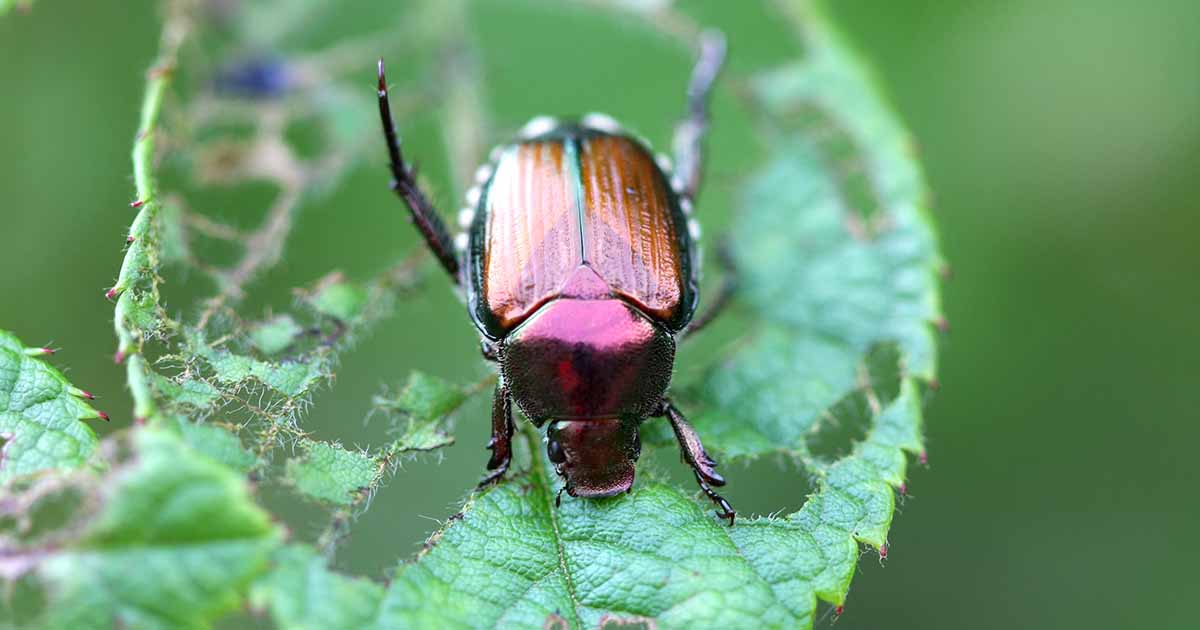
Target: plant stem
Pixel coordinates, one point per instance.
(137, 281)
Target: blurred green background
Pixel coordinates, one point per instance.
(1061, 140)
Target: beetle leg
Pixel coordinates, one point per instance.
(502, 431)
(689, 133)
(726, 510)
(696, 457)
(404, 183)
(729, 285)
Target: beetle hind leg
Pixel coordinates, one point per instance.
(696, 457)
(689, 133)
(502, 432)
(424, 216)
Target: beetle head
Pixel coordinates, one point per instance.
(596, 457)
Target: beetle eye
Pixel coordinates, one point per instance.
(555, 451)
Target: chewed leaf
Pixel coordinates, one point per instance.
(174, 543)
(41, 414)
(192, 392)
(301, 592)
(275, 335)
(421, 411)
(290, 378)
(512, 559)
(335, 297)
(835, 252)
(770, 394)
(328, 472)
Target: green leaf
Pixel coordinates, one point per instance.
(276, 334)
(175, 543)
(290, 378)
(339, 299)
(191, 391)
(218, 444)
(512, 559)
(328, 472)
(655, 553)
(835, 253)
(301, 593)
(41, 414)
(424, 406)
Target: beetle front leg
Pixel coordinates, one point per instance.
(689, 133)
(424, 216)
(502, 432)
(696, 457)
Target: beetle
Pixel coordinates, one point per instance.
(579, 265)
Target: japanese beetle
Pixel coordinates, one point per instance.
(579, 266)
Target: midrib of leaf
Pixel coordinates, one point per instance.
(542, 482)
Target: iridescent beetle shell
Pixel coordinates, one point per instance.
(569, 197)
(579, 257)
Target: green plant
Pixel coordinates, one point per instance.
(160, 527)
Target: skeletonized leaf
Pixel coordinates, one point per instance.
(328, 472)
(290, 378)
(421, 411)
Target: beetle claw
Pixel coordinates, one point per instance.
(493, 477)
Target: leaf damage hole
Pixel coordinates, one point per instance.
(847, 421)
(866, 215)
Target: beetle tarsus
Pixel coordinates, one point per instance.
(493, 477)
(694, 454)
(726, 510)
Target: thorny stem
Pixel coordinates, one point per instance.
(138, 277)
